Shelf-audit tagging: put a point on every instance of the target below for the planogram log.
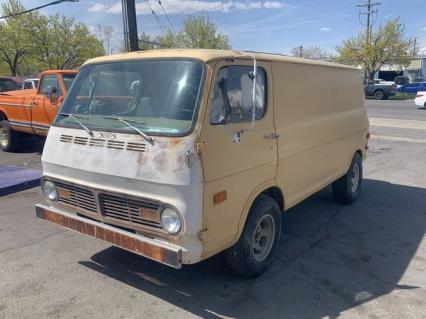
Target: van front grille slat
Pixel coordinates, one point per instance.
(96, 142)
(66, 138)
(80, 140)
(137, 147)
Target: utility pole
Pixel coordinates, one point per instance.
(300, 51)
(415, 47)
(369, 25)
(370, 11)
(130, 26)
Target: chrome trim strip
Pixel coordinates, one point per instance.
(16, 104)
(23, 124)
(28, 124)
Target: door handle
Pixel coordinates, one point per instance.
(272, 136)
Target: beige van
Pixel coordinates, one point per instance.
(178, 155)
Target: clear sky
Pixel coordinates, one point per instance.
(262, 25)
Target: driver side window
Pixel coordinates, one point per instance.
(232, 99)
(47, 82)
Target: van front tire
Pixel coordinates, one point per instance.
(254, 251)
(346, 189)
(8, 137)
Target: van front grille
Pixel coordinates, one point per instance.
(77, 197)
(111, 208)
(137, 211)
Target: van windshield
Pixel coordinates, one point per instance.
(159, 97)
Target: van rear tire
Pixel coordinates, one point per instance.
(346, 189)
(8, 137)
(252, 254)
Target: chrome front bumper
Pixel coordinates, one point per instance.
(154, 249)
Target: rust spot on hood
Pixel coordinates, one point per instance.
(175, 142)
(141, 159)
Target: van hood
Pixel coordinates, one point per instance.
(171, 160)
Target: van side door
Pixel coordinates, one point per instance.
(45, 103)
(236, 158)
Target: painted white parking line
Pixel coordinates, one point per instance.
(399, 139)
(398, 123)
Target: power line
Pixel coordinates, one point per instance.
(167, 16)
(155, 43)
(36, 8)
(161, 25)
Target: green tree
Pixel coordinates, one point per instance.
(105, 34)
(311, 52)
(168, 41)
(145, 42)
(200, 32)
(32, 41)
(387, 45)
(197, 32)
(16, 42)
(64, 43)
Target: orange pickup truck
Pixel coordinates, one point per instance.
(31, 111)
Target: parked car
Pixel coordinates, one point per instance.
(30, 84)
(412, 87)
(8, 84)
(379, 89)
(401, 80)
(136, 166)
(420, 99)
(31, 111)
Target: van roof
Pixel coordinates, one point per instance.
(207, 55)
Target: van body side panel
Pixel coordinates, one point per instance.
(159, 173)
(235, 168)
(322, 122)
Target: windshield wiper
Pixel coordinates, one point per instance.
(76, 119)
(127, 122)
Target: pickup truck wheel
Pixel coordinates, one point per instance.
(8, 137)
(254, 251)
(379, 95)
(347, 188)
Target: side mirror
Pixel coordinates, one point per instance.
(52, 92)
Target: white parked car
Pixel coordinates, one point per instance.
(420, 99)
(30, 84)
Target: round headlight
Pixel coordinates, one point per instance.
(49, 190)
(171, 220)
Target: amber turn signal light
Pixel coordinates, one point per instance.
(219, 197)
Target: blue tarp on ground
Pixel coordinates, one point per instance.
(16, 178)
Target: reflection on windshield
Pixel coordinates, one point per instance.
(68, 79)
(160, 94)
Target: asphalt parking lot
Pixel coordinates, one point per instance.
(367, 260)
